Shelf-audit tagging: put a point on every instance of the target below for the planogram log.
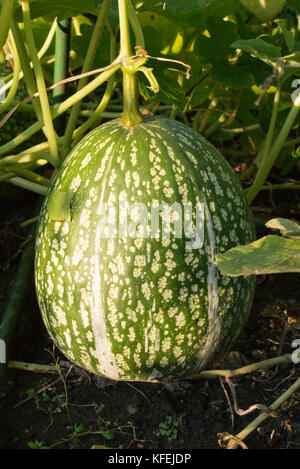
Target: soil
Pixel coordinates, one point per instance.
(74, 409)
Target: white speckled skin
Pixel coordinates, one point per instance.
(143, 308)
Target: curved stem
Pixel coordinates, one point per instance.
(41, 52)
(5, 15)
(25, 63)
(49, 129)
(16, 77)
(87, 66)
(131, 115)
(48, 40)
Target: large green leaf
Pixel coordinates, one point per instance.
(287, 228)
(258, 48)
(80, 45)
(193, 13)
(218, 46)
(162, 36)
(59, 8)
(264, 10)
(232, 76)
(268, 255)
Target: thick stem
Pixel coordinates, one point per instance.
(131, 115)
(62, 48)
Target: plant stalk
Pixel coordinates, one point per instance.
(62, 49)
(16, 77)
(131, 115)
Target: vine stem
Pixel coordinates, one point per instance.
(47, 118)
(41, 53)
(269, 157)
(16, 77)
(27, 174)
(287, 185)
(233, 444)
(245, 369)
(29, 185)
(25, 63)
(23, 158)
(87, 66)
(131, 115)
(5, 15)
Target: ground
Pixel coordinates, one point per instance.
(81, 410)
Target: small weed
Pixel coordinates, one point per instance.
(169, 428)
(37, 445)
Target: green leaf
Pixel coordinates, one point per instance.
(268, 255)
(232, 76)
(162, 36)
(218, 46)
(258, 48)
(108, 434)
(264, 10)
(194, 13)
(59, 206)
(198, 96)
(81, 43)
(59, 8)
(287, 228)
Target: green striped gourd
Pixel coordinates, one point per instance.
(129, 305)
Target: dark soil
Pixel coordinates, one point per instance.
(82, 410)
